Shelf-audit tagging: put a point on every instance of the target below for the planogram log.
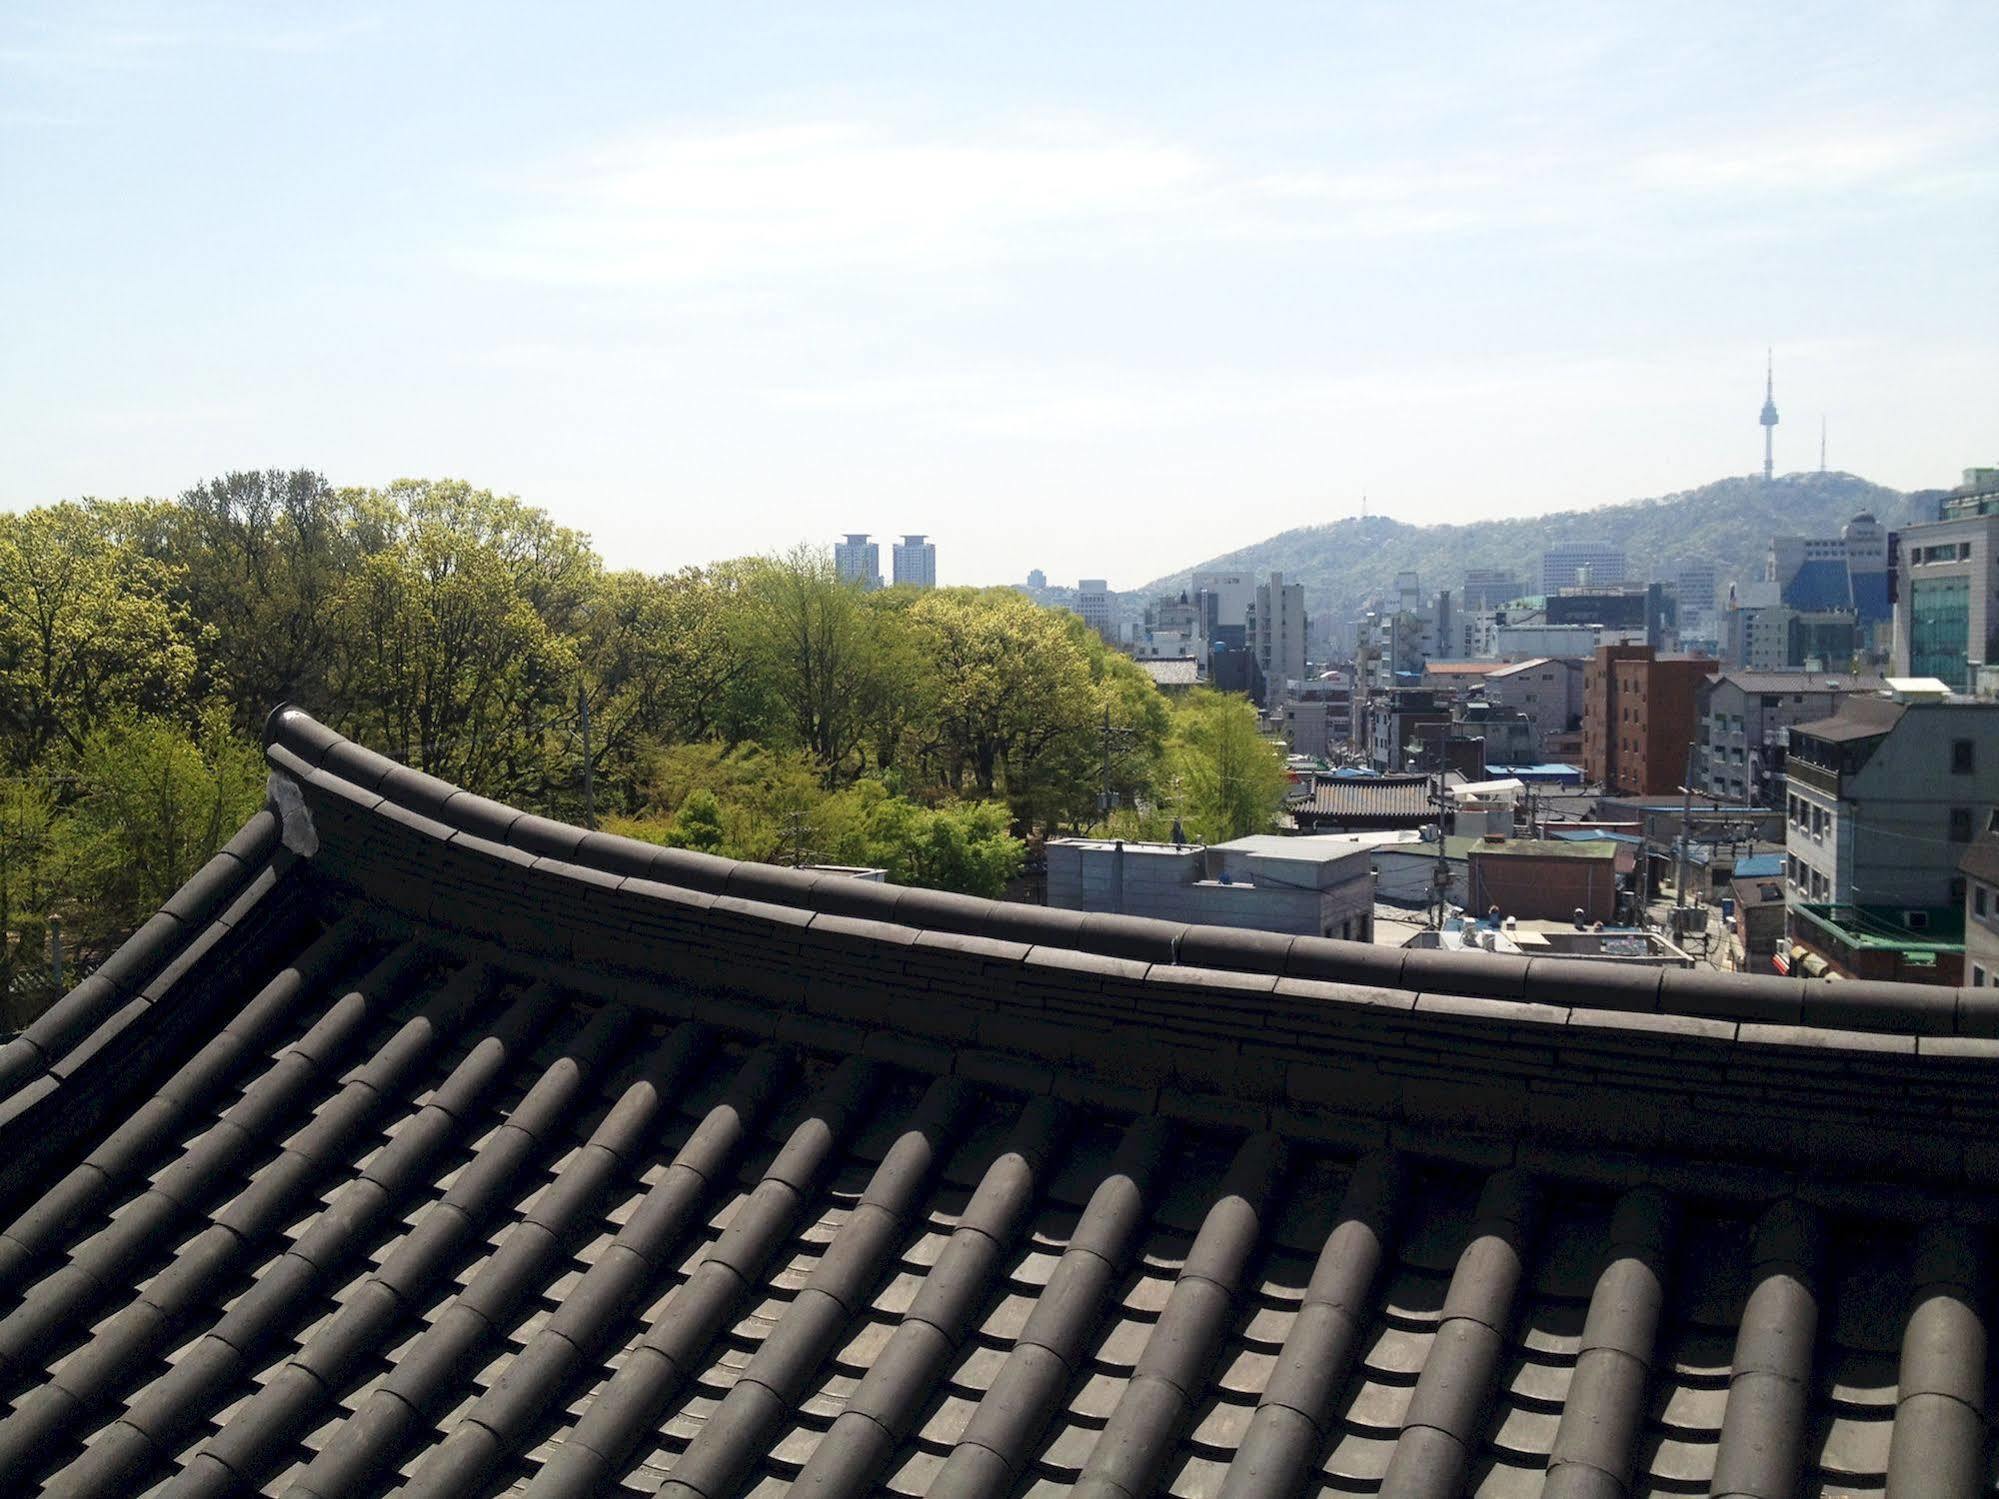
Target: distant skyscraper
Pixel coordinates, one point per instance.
(1566, 566)
(1225, 597)
(1277, 631)
(1490, 587)
(1693, 589)
(858, 560)
(916, 562)
(1847, 571)
(1037, 579)
(1093, 602)
(1769, 416)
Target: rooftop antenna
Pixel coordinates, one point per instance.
(1363, 504)
(1821, 442)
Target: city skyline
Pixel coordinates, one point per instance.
(741, 271)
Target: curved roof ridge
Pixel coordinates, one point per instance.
(300, 744)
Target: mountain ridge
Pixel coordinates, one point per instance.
(1344, 563)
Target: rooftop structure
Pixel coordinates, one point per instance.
(422, 1143)
(1363, 803)
(1554, 939)
(1316, 887)
(1172, 674)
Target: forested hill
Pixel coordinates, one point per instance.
(1729, 523)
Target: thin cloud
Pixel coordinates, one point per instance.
(68, 50)
(827, 198)
(1800, 160)
(815, 201)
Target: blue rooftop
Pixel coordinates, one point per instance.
(1547, 771)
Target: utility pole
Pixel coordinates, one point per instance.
(1441, 877)
(1105, 796)
(589, 770)
(1113, 738)
(55, 952)
(1686, 821)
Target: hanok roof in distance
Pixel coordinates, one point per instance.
(421, 1144)
(1174, 672)
(1359, 798)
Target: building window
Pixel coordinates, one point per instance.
(1939, 629)
(1960, 824)
(1977, 977)
(1963, 757)
(1978, 900)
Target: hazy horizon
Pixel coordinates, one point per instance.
(1104, 294)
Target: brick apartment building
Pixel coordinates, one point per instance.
(1639, 717)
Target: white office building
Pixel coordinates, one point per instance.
(915, 563)
(1581, 562)
(858, 560)
(1093, 602)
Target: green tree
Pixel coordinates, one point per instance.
(88, 626)
(698, 825)
(1016, 698)
(31, 886)
(1230, 778)
(265, 559)
(457, 648)
(815, 642)
(663, 664)
(153, 804)
(965, 847)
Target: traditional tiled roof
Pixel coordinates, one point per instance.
(1401, 800)
(423, 1145)
(1173, 672)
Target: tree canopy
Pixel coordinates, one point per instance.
(761, 708)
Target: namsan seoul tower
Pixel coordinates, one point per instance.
(1769, 416)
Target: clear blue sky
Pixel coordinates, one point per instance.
(1102, 289)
